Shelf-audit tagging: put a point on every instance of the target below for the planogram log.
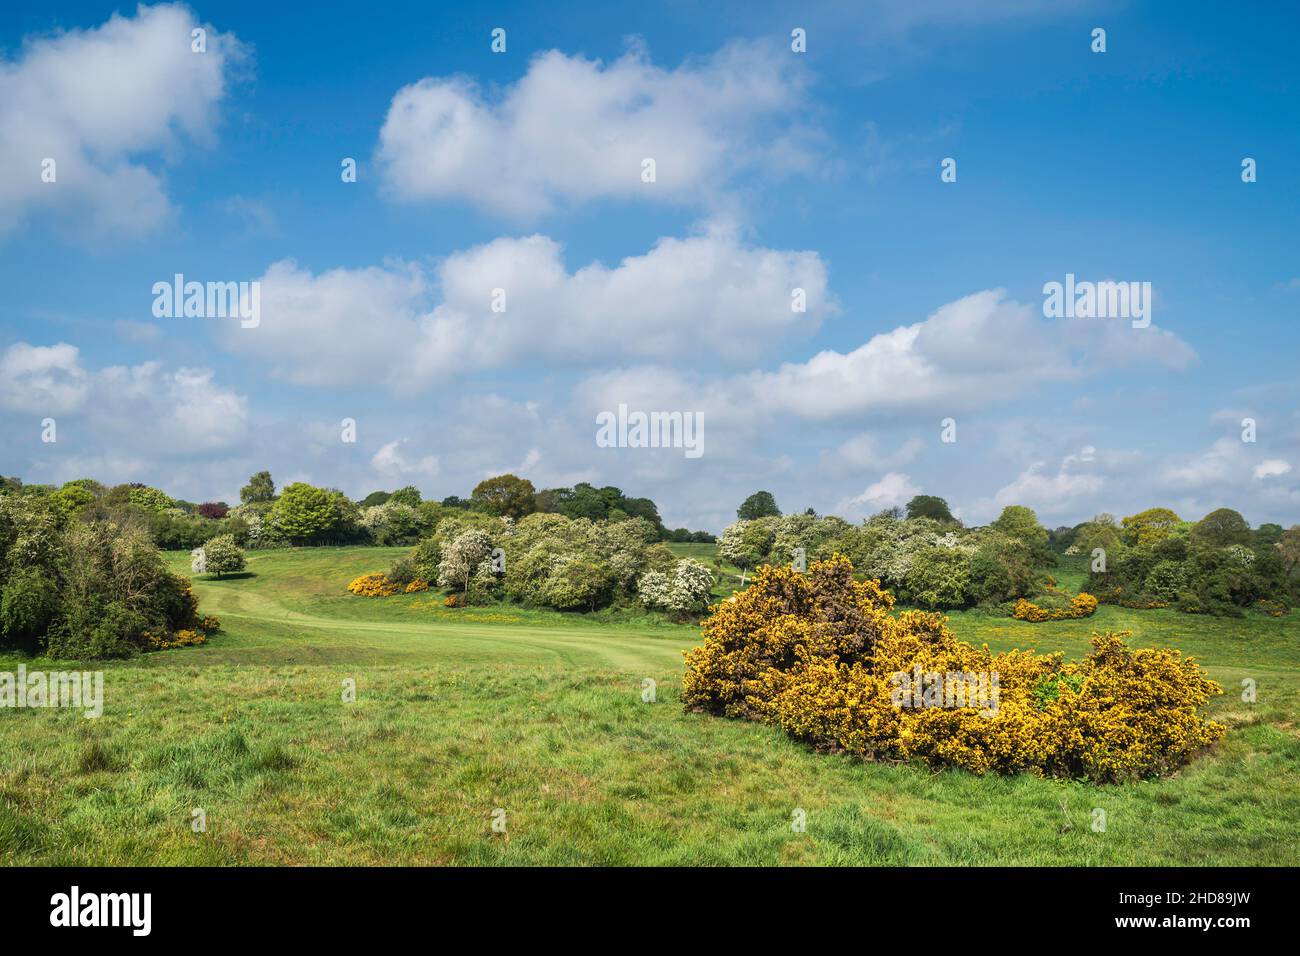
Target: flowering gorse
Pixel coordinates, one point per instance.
(816, 655)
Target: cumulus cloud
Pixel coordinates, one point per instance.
(1054, 491)
(1219, 464)
(891, 491)
(573, 129)
(704, 296)
(119, 409)
(394, 463)
(1227, 472)
(1272, 468)
(96, 101)
(42, 379)
(974, 353)
(183, 411)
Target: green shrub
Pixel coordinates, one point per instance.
(990, 579)
(89, 632)
(1166, 580)
(29, 604)
(92, 589)
(577, 585)
(404, 571)
(939, 578)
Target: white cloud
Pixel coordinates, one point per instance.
(573, 129)
(530, 461)
(95, 101)
(182, 411)
(893, 490)
(341, 327)
(706, 296)
(44, 380)
(1219, 464)
(1056, 492)
(1272, 468)
(142, 407)
(391, 462)
(974, 353)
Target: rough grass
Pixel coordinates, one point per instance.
(460, 712)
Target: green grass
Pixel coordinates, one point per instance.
(459, 712)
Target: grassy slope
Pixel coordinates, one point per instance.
(460, 712)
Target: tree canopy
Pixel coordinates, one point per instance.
(1221, 528)
(504, 496)
(760, 504)
(260, 487)
(930, 506)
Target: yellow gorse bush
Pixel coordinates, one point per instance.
(182, 638)
(373, 585)
(1082, 604)
(817, 655)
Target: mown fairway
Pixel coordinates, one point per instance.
(459, 712)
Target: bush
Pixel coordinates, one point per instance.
(182, 638)
(461, 556)
(114, 631)
(685, 590)
(425, 557)
(373, 585)
(758, 629)
(96, 589)
(29, 605)
(222, 556)
(150, 498)
(781, 653)
(393, 522)
(1081, 605)
(404, 571)
(939, 578)
(654, 588)
(577, 584)
(1166, 579)
(304, 514)
(990, 580)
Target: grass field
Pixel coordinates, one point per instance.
(460, 712)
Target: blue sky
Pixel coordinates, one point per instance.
(775, 170)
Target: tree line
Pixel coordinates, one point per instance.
(1217, 565)
(303, 514)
